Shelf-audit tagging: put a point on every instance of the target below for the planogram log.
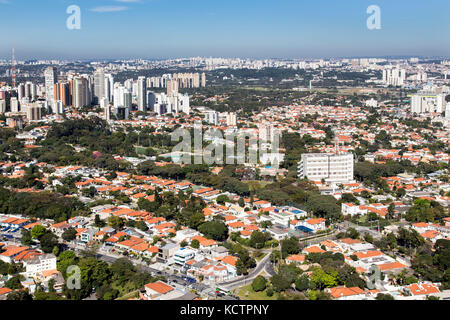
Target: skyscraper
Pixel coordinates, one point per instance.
(33, 112)
(50, 79)
(172, 87)
(80, 94)
(142, 94)
(203, 79)
(99, 85)
(109, 87)
(416, 104)
(14, 105)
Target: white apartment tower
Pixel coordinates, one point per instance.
(99, 85)
(231, 119)
(333, 168)
(142, 94)
(50, 80)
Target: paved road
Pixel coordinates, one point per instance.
(242, 281)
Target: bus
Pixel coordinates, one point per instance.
(222, 291)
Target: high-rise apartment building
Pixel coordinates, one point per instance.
(142, 94)
(231, 119)
(50, 80)
(99, 85)
(80, 92)
(2, 106)
(333, 168)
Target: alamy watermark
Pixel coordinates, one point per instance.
(374, 20)
(73, 281)
(73, 22)
(374, 278)
(240, 147)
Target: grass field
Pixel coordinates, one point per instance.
(252, 295)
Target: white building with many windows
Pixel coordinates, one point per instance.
(40, 263)
(333, 168)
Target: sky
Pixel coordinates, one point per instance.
(114, 29)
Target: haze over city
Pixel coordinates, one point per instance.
(258, 29)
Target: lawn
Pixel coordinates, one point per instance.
(252, 295)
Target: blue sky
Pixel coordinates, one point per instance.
(228, 28)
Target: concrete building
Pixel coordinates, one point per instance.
(212, 117)
(50, 79)
(40, 263)
(334, 168)
(231, 119)
(2, 106)
(33, 112)
(99, 85)
(14, 105)
(142, 94)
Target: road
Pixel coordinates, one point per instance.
(172, 279)
(242, 281)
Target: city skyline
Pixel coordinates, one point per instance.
(127, 29)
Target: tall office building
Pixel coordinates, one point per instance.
(50, 79)
(142, 94)
(334, 168)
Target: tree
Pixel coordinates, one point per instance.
(116, 222)
(289, 246)
(26, 240)
(257, 239)
(352, 233)
(321, 279)
(302, 283)
(222, 199)
(98, 222)
(48, 241)
(259, 284)
(66, 259)
(195, 244)
(382, 296)
(69, 234)
(14, 283)
(215, 229)
(22, 295)
(279, 283)
(38, 231)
